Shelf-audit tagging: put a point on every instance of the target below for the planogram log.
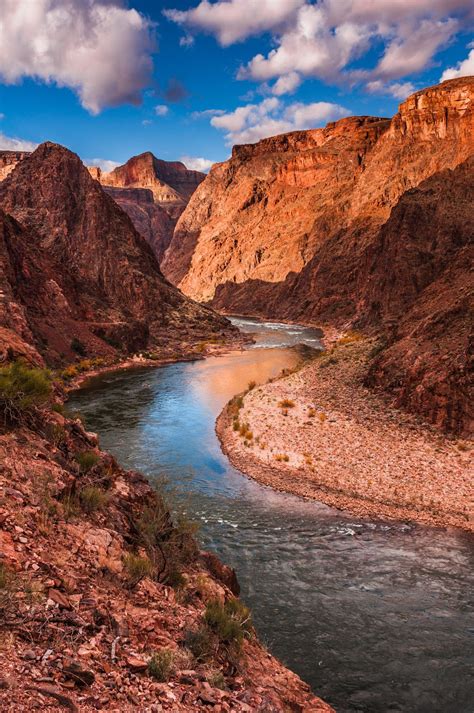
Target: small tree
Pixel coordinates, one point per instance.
(23, 389)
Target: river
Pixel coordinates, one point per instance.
(375, 616)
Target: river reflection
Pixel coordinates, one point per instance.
(376, 617)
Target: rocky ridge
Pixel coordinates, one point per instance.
(100, 288)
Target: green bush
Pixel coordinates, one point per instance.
(23, 389)
(87, 460)
(137, 568)
(199, 642)
(160, 666)
(229, 621)
(93, 498)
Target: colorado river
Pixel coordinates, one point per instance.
(376, 616)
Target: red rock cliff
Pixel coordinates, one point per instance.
(99, 281)
(268, 211)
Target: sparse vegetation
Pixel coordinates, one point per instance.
(199, 642)
(311, 412)
(23, 389)
(251, 385)
(137, 568)
(286, 404)
(93, 498)
(87, 460)
(282, 457)
(229, 621)
(160, 665)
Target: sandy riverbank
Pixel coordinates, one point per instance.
(338, 442)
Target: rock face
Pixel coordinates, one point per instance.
(153, 192)
(8, 161)
(314, 195)
(149, 218)
(390, 204)
(76, 268)
(171, 183)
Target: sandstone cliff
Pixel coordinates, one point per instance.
(153, 192)
(99, 281)
(277, 204)
(391, 209)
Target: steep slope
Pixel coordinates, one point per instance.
(320, 194)
(8, 161)
(149, 218)
(171, 183)
(104, 286)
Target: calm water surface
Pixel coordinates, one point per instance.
(376, 616)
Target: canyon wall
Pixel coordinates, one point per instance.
(364, 224)
(276, 205)
(153, 192)
(75, 269)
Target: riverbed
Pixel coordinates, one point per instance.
(376, 616)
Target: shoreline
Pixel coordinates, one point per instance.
(338, 454)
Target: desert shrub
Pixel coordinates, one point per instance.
(170, 545)
(236, 425)
(216, 680)
(251, 385)
(92, 498)
(87, 460)
(160, 665)
(199, 642)
(23, 389)
(230, 621)
(350, 338)
(58, 407)
(78, 347)
(322, 417)
(56, 434)
(311, 412)
(137, 568)
(286, 403)
(282, 458)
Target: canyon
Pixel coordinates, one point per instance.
(365, 224)
(100, 286)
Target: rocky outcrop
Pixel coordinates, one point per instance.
(148, 217)
(316, 195)
(171, 183)
(81, 624)
(152, 192)
(8, 161)
(79, 270)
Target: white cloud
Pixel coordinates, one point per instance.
(286, 84)
(196, 163)
(9, 143)
(103, 163)
(186, 41)
(462, 69)
(206, 113)
(253, 122)
(147, 122)
(100, 49)
(161, 110)
(2, 116)
(399, 90)
(235, 20)
(322, 39)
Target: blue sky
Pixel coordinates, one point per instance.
(110, 79)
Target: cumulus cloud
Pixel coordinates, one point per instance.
(161, 110)
(103, 163)
(324, 39)
(99, 49)
(253, 122)
(462, 69)
(399, 90)
(197, 163)
(234, 20)
(9, 143)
